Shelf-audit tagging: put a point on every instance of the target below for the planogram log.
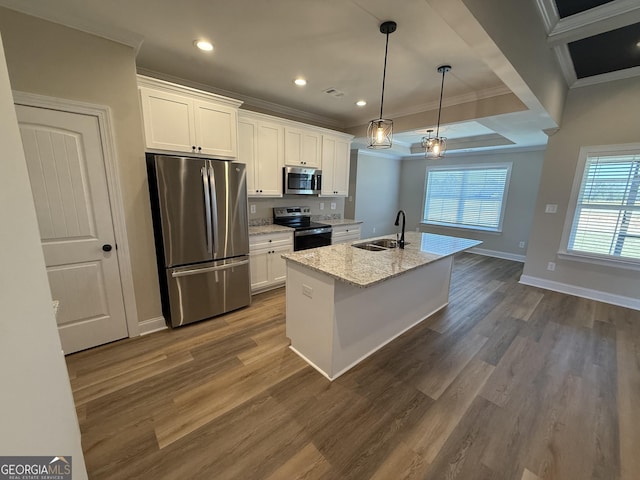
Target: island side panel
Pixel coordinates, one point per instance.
(368, 318)
(310, 316)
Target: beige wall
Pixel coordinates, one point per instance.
(521, 197)
(49, 59)
(605, 114)
(37, 413)
(376, 194)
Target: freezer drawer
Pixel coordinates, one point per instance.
(206, 290)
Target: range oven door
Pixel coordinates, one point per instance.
(317, 237)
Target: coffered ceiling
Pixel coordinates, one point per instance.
(595, 40)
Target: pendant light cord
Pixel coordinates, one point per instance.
(384, 74)
(444, 70)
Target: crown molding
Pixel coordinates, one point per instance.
(607, 77)
(446, 102)
(566, 64)
(48, 11)
(548, 13)
(603, 18)
(249, 103)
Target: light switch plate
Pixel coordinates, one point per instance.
(333, 205)
(551, 208)
(321, 205)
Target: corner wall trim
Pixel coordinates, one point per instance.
(605, 297)
(151, 325)
(494, 253)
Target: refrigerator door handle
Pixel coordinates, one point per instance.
(196, 271)
(207, 208)
(214, 205)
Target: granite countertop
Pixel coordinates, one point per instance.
(264, 229)
(364, 268)
(342, 221)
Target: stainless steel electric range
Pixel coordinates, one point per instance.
(307, 234)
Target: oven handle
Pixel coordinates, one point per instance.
(315, 231)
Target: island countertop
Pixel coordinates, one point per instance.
(364, 268)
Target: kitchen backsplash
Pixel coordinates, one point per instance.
(320, 207)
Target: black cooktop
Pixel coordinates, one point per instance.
(294, 217)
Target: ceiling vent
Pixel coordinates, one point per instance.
(334, 92)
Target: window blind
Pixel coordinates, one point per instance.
(467, 197)
(607, 216)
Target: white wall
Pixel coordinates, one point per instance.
(604, 114)
(375, 193)
(521, 197)
(37, 412)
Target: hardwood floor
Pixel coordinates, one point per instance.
(508, 382)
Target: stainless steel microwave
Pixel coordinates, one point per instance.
(302, 181)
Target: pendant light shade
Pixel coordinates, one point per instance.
(434, 147)
(380, 131)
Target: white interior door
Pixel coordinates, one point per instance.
(68, 181)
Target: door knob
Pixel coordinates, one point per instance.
(106, 247)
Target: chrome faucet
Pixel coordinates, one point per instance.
(401, 241)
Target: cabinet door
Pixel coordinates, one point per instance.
(248, 151)
(168, 121)
(270, 159)
(278, 265)
(302, 147)
(259, 267)
(328, 161)
(311, 149)
(216, 129)
(341, 168)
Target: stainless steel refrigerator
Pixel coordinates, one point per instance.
(199, 211)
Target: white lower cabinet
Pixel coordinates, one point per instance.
(268, 268)
(345, 233)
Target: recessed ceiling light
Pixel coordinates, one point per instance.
(301, 82)
(203, 45)
(361, 103)
(638, 44)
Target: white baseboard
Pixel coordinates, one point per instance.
(494, 253)
(152, 325)
(605, 297)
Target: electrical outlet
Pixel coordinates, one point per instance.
(550, 208)
(307, 291)
(551, 266)
(333, 205)
(521, 244)
(253, 208)
(373, 230)
(321, 205)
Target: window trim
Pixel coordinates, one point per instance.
(469, 166)
(593, 258)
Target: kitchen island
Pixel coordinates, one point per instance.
(344, 303)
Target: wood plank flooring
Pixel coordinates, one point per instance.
(508, 382)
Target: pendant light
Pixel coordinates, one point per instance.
(380, 131)
(434, 147)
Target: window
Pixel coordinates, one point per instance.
(606, 220)
(469, 196)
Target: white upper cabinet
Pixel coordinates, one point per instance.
(302, 147)
(335, 166)
(261, 148)
(182, 119)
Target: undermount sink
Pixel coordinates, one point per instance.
(386, 243)
(378, 245)
(369, 246)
